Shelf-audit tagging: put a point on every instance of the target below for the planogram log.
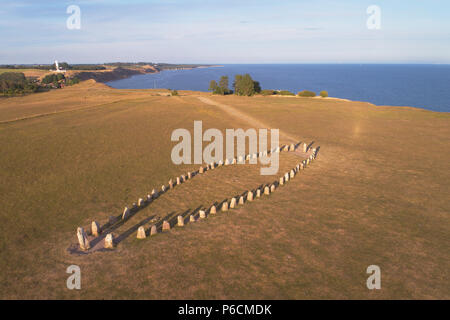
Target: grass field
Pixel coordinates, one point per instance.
(27, 72)
(377, 194)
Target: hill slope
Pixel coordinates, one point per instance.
(376, 195)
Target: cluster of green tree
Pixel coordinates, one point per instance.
(56, 79)
(53, 78)
(221, 88)
(244, 85)
(277, 92)
(13, 83)
(307, 93)
(85, 67)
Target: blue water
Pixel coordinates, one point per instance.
(423, 86)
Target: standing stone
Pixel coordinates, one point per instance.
(109, 241)
(225, 206)
(220, 163)
(141, 202)
(154, 194)
(277, 150)
(266, 190)
(180, 221)
(292, 173)
(291, 147)
(241, 159)
(307, 161)
(297, 167)
(126, 213)
(141, 233)
(166, 225)
(170, 184)
(213, 210)
(82, 239)
(272, 188)
(281, 181)
(191, 218)
(189, 175)
(233, 203)
(149, 197)
(202, 214)
(95, 229)
(200, 170)
(286, 177)
(153, 230)
(301, 166)
(305, 147)
(178, 180)
(241, 200)
(250, 196)
(258, 193)
(227, 162)
(213, 165)
(234, 161)
(247, 157)
(163, 188)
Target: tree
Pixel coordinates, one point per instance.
(12, 83)
(306, 93)
(223, 85)
(53, 78)
(323, 94)
(213, 86)
(257, 86)
(245, 86)
(237, 84)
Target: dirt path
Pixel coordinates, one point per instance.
(250, 120)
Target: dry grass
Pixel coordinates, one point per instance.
(378, 194)
(37, 73)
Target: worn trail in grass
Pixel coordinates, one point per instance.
(376, 195)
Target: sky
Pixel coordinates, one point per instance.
(232, 31)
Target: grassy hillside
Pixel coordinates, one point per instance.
(378, 194)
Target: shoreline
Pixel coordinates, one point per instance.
(194, 92)
(120, 73)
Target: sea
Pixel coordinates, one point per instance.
(415, 85)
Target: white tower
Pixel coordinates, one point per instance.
(57, 66)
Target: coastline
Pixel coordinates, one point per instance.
(120, 73)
